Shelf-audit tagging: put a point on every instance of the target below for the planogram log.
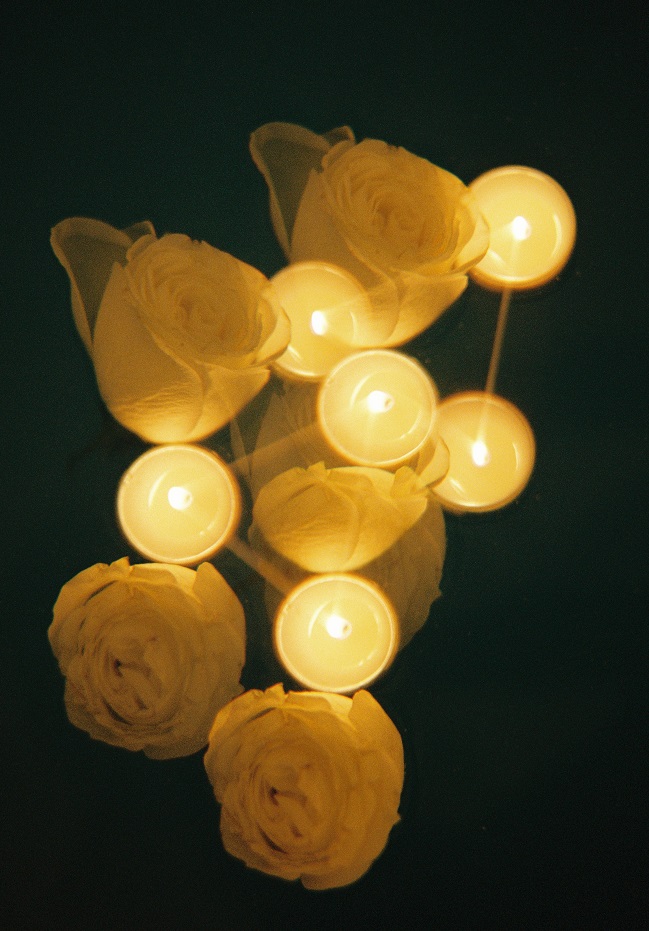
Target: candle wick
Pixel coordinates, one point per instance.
(496, 351)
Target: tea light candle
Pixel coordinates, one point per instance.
(178, 504)
(377, 408)
(336, 633)
(325, 305)
(532, 227)
(491, 452)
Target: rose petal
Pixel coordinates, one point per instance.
(410, 572)
(422, 300)
(340, 519)
(150, 654)
(227, 391)
(87, 250)
(210, 588)
(149, 392)
(285, 154)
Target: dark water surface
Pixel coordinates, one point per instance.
(522, 704)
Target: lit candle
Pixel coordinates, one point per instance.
(178, 504)
(377, 408)
(491, 449)
(325, 305)
(532, 227)
(336, 633)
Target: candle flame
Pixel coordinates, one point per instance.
(319, 323)
(521, 229)
(378, 402)
(480, 453)
(338, 627)
(179, 498)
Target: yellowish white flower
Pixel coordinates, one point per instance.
(150, 653)
(337, 520)
(309, 783)
(180, 333)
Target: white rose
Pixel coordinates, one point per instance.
(405, 228)
(337, 520)
(150, 653)
(180, 333)
(309, 783)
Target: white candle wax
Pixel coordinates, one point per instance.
(336, 633)
(178, 504)
(377, 408)
(532, 227)
(491, 452)
(325, 304)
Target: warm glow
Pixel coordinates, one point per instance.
(338, 627)
(491, 452)
(336, 633)
(319, 323)
(378, 402)
(532, 227)
(521, 229)
(480, 453)
(178, 504)
(325, 305)
(378, 408)
(179, 498)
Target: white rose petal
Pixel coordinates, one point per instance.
(309, 783)
(150, 653)
(181, 334)
(337, 520)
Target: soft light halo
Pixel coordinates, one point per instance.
(532, 228)
(327, 308)
(324, 648)
(377, 408)
(178, 504)
(491, 448)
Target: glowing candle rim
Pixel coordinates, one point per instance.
(452, 503)
(229, 481)
(330, 436)
(483, 273)
(313, 683)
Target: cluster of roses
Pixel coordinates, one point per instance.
(182, 337)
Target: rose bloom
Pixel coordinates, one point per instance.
(150, 653)
(309, 783)
(405, 228)
(337, 520)
(180, 333)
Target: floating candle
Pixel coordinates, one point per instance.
(336, 633)
(532, 227)
(491, 451)
(178, 504)
(377, 408)
(325, 305)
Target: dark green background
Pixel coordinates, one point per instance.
(522, 704)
